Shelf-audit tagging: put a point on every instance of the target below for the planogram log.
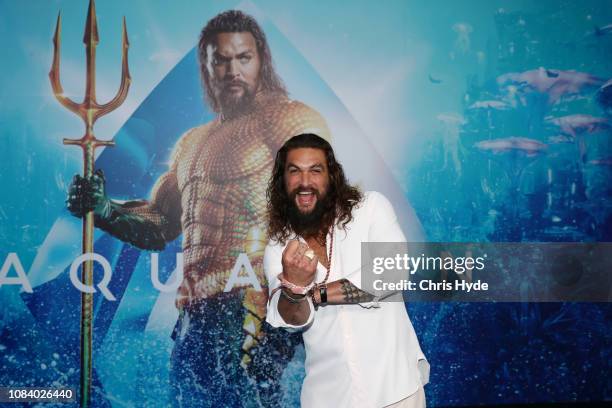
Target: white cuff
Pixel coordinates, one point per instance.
(276, 320)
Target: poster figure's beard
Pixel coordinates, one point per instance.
(232, 104)
(308, 224)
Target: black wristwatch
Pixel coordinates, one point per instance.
(322, 294)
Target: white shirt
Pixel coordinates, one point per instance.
(360, 355)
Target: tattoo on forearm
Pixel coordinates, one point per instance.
(353, 294)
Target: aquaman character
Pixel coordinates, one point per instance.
(214, 194)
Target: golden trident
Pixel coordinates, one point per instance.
(89, 110)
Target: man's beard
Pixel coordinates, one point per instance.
(232, 105)
(309, 224)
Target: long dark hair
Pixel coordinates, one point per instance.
(235, 21)
(342, 195)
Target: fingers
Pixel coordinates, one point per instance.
(299, 252)
(309, 265)
(295, 255)
(82, 193)
(75, 193)
(294, 251)
(77, 182)
(97, 180)
(97, 177)
(305, 258)
(74, 205)
(79, 185)
(290, 249)
(313, 262)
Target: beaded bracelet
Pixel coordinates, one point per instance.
(292, 299)
(293, 288)
(311, 293)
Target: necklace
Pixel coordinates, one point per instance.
(322, 286)
(329, 257)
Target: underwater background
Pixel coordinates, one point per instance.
(492, 119)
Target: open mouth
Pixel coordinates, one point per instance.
(305, 198)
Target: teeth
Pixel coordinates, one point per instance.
(304, 193)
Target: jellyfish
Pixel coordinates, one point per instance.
(487, 107)
(462, 42)
(451, 122)
(519, 150)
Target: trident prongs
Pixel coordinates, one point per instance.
(125, 77)
(89, 110)
(58, 91)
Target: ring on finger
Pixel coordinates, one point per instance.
(302, 248)
(309, 254)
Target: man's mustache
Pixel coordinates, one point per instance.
(227, 85)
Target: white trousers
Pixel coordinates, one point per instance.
(416, 400)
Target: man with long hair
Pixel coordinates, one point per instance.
(214, 194)
(359, 352)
